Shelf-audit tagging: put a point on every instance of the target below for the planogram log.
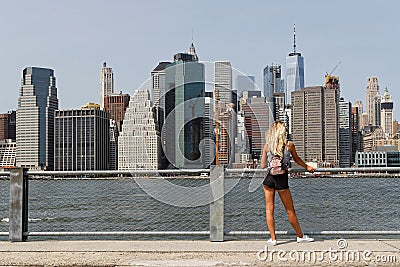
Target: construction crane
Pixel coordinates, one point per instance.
(337, 65)
(332, 82)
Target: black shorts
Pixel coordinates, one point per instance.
(278, 182)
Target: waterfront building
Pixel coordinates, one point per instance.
(294, 71)
(183, 128)
(139, 142)
(383, 158)
(82, 139)
(8, 125)
(315, 127)
(8, 151)
(371, 159)
(106, 83)
(372, 98)
(345, 133)
(37, 102)
(116, 105)
(386, 113)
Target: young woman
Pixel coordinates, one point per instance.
(278, 146)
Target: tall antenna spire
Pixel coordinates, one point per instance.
(192, 35)
(294, 38)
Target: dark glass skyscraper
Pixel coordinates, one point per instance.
(35, 118)
(183, 128)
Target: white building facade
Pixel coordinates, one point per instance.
(139, 141)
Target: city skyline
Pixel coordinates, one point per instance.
(365, 46)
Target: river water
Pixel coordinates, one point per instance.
(127, 205)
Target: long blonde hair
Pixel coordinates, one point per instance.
(276, 138)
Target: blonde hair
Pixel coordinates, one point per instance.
(276, 138)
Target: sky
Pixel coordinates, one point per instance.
(75, 37)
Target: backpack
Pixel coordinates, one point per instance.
(276, 165)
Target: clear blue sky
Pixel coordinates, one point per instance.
(75, 37)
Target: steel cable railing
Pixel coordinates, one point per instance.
(177, 203)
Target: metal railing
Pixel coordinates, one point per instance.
(224, 205)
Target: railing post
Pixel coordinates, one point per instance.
(217, 204)
(18, 216)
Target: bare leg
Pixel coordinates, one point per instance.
(269, 194)
(287, 200)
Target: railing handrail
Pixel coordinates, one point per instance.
(320, 170)
(116, 172)
(194, 171)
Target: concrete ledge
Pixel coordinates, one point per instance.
(190, 253)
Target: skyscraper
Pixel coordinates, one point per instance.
(139, 142)
(345, 133)
(113, 146)
(224, 96)
(258, 117)
(273, 82)
(158, 83)
(82, 139)
(35, 118)
(358, 104)
(8, 125)
(116, 105)
(294, 71)
(315, 124)
(209, 135)
(183, 127)
(158, 97)
(372, 94)
(192, 51)
(387, 113)
(355, 132)
(106, 83)
(223, 82)
(4, 126)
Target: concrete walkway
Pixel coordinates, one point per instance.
(201, 253)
